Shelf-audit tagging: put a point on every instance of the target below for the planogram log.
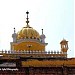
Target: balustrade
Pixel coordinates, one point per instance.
(50, 53)
(32, 52)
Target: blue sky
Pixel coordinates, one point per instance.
(56, 17)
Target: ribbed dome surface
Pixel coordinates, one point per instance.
(28, 32)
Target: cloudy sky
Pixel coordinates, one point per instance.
(54, 16)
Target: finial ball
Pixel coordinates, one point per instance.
(14, 27)
(42, 29)
(27, 12)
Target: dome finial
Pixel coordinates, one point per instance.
(42, 31)
(27, 19)
(14, 30)
(63, 38)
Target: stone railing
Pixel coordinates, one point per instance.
(31, 52)
(35, 53)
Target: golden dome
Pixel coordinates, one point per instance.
(28, 32)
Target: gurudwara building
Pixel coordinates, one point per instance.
(29, 57)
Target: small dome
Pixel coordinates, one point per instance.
(63, 41)
(28, 32)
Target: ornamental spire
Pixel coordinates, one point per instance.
(14, 30)
(27, 19)
(42, 31)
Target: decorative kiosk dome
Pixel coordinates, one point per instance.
(64, 46)
(42, 37)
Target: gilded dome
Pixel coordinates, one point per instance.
(28, 32)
